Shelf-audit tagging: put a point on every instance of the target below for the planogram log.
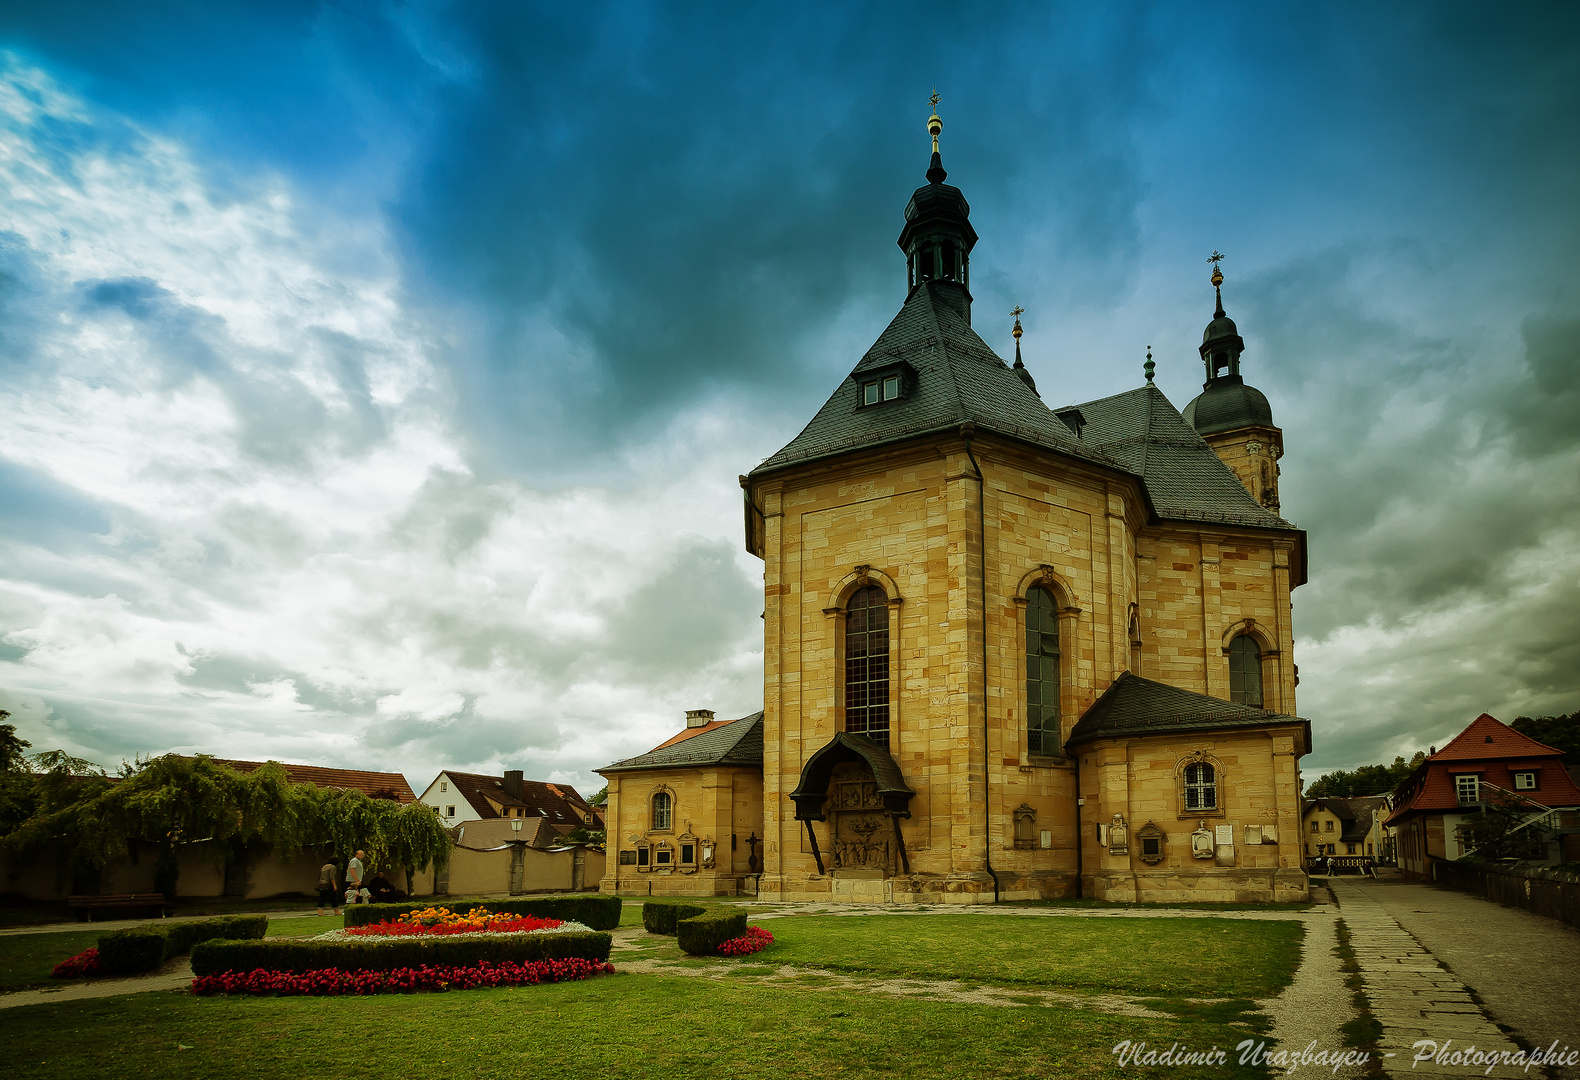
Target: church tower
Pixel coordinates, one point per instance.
(1233, 416)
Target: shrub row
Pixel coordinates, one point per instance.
(389, 954)
(590, 909)
(701, 928)
(328, 982)
(701, 935)
(660, 916)
(143, 948)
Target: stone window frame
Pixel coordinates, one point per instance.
(1268, 653)
(652, 809)
(860, 577)
(1220, 785)
(1025, 826)
(1067, 606)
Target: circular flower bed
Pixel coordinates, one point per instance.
(443, 921)
(331, 982)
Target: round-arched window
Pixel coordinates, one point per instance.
(1042, 672)
(663, 810)
(1245, 672)
(867, 664)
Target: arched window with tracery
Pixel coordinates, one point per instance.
(1245, 672)
(1042, 672)
(867, 664)
(1201, 787)
(663, 811)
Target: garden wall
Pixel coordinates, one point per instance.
(1538, 889)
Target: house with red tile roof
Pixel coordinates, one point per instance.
(375, 785)
(1489, 764)
(460, 797)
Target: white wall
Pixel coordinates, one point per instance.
(440, 800)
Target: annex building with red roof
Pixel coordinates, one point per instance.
(1488, 764)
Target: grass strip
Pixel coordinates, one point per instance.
(626, 1027)
(1175, 957)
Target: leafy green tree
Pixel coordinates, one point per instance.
(1558, 732)
(1366, 780)
(1497, 832)
(173, 800)
(11, 747)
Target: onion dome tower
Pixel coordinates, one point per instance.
(938, 237)
(1232, 416)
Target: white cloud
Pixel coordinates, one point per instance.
(300, 562)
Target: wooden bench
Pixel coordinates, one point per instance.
(87, 905)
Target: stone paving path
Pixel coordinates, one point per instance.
(1524, 969)
(1415, 999)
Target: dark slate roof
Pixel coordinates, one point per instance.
(1185, 478)
(1137, 706)
(954, 378)
(739, 742)
(538, 799)
(1227, 403)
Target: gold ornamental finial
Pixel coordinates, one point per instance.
(1217, 274)
(934, 125)
(1017, 313)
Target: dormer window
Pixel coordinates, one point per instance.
(885, 389)
(882, 385)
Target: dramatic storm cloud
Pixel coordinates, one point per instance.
(375, 377)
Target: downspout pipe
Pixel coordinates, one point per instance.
(1080, 826)
(967, 431)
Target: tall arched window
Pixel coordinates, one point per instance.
(867, 664)
(663, 811)
(1245, 672)
(1042, 672)
(1201, 787)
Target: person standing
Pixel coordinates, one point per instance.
(354, 878)
(328, 891)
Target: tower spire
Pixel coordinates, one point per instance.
(1217, 282)
(1020, 367)
(1148, 366)
(935, 171)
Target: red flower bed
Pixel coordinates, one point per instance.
(754, 940)
(329, 982)
(83, 964)
(497, 924)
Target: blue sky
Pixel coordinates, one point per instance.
(375, 377)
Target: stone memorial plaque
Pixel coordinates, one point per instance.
(1223, 835)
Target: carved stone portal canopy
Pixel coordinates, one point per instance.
(854, 780)
(810, 795)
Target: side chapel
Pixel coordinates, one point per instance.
(1010, 651)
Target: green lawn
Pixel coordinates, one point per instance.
(1205, 957)
(27, 959)
(622, 1026)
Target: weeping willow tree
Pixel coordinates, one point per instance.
(173, 801)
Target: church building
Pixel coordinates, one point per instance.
(1011, 651)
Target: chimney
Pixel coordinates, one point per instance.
(512, 783)
(698, 717)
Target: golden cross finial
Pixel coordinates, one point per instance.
(934, 100)
(934, 125)
(1216, 257)
(1217, 274)
(1017, 313)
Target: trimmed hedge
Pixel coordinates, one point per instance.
(590, 909)
(359, 954)
(701, 935)
(143, 948)
(660, 916)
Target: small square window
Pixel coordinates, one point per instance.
(641, 856)
(663, 857)
(1468, 789)
(627, 858)
(1524, 781)
(869, 394)
(688, 853)
(891, 388)
(1327, 826)
(443, 786)
(1151, 845)
(1316, 826)
(449, 811)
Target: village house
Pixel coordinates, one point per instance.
(459, 797)
(1348, 830)
(1487, 765)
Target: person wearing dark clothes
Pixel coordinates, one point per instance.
(328, 890)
